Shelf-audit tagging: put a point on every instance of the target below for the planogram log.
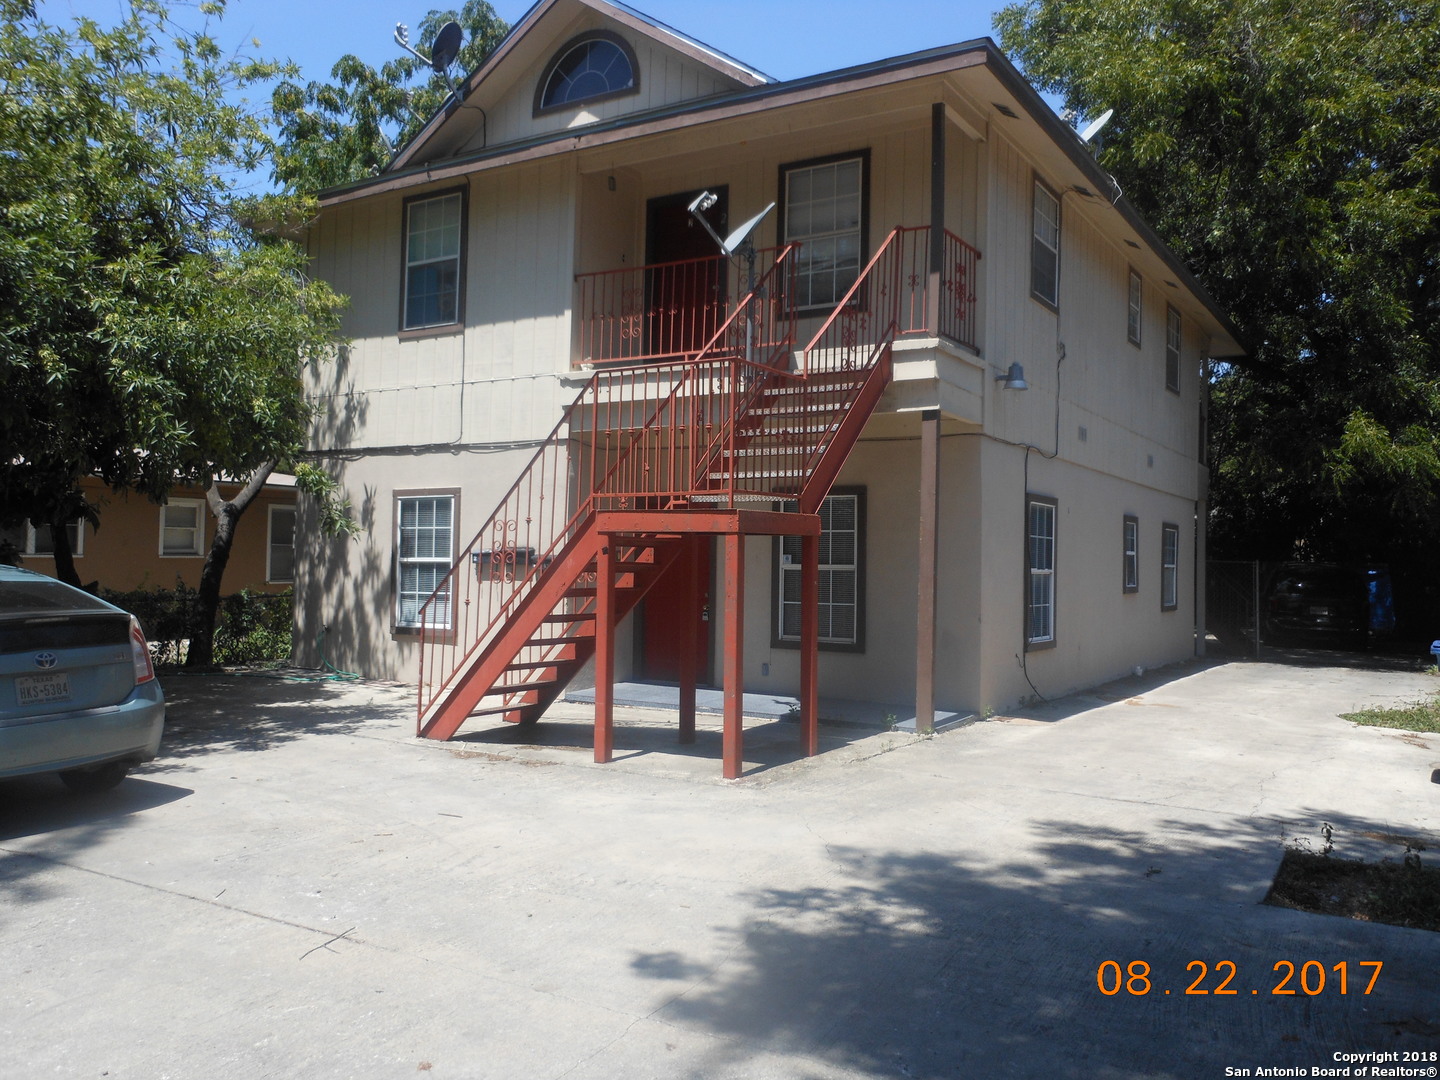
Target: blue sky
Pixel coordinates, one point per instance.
(787, 39)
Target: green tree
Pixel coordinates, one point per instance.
(150, 334)
(337, 132)
(1289, 150)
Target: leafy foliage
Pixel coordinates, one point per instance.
(148, 334)
(345, 130)
(1289, 150)
(252, 627)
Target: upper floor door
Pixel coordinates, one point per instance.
(686, 284)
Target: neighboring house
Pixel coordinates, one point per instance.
(975, 382)
(140, 545)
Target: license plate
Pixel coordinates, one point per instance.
(43, 689)
(1317, 609)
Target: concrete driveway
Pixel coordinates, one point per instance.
(299, 888)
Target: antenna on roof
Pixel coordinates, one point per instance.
(442, 53)
(1095, 126)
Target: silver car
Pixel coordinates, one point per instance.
(78, 694)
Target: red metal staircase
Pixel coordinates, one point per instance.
(642, 460)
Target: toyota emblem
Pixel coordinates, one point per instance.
(45, 660)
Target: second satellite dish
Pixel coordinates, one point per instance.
(1094, 129)
(446, 47)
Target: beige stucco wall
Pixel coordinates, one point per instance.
(463, 410)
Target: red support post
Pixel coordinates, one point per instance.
(734, 739)
(694, 598)
(604, 650)
(810, 645)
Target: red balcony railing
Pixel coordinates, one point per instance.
(669, 311)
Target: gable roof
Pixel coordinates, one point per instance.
(527, 32)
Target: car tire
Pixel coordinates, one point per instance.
(92, 781)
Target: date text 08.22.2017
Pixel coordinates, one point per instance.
(1308, 977)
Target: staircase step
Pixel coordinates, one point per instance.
(515, 688)
(739, 497)
(767, 451)
(767, 474)
(796, 409)
(812, 388)
(788, 429)
(537, 665)
(568, 617)
(498, 710)
(546, 642)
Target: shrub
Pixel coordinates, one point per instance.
(252, 627)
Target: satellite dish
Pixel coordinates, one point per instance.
(447, 47)
(732, 242)
(1095, 126)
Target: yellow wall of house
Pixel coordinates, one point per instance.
(124, 553)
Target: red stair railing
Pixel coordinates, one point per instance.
(628, 441)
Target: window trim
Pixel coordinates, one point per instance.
(411, 631)
(1135, 308)
(1130, 554)
(1031, 499)
(539, 108)
(1039, 185)
(200, 516)
(1174, 325)
(462, 258)
(777, 592)
(1169, 572)
(270, 578)
(77, 550)
(863, 156)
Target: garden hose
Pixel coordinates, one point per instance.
(320, 648)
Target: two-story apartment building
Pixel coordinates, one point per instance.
(941, 441)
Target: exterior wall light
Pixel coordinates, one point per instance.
(1014, 379)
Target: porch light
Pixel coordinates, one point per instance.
(1014, 379)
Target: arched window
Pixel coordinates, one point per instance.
(591, 67)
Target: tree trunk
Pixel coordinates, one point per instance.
(64, 557)
(201, 652)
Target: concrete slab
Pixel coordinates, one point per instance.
(877, 715)
(299, 887)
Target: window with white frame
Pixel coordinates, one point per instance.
(424, 551)
(823, 209)
(434, 246)
(594, 67)
(1172, 349)
(1130, 575)
(182, 527)
(1132, 319)
(280, 553)
(1169, 567)
(1040, 586)
(1045, 247)
(40, 541)
(842, 550)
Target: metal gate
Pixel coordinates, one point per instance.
(1232, 605)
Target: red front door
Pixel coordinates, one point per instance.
(663, 617)
(686, 284)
